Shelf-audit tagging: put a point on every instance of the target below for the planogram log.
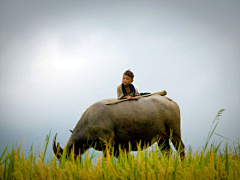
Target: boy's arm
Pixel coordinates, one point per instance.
(120, 94)
(136, 92)
(129, 97)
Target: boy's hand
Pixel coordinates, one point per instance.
(135, 97)
(127, 97)
(130, 97)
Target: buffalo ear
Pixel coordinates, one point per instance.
(70, 130)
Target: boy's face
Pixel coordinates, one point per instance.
(126, 80)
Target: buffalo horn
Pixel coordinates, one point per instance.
(57, 149)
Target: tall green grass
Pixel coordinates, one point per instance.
(209, 163)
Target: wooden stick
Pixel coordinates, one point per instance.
(162, 93)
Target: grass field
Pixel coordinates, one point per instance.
(210, 162)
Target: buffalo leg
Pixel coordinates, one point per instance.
(164, 145)
(107, 142)
(176, 140)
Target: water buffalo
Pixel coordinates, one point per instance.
(148, 119)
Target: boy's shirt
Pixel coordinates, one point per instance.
(120, 93)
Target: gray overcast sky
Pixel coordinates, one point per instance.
(59, 57)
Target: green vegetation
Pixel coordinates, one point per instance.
(208, 163)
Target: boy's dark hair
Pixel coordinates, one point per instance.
(129, 73)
